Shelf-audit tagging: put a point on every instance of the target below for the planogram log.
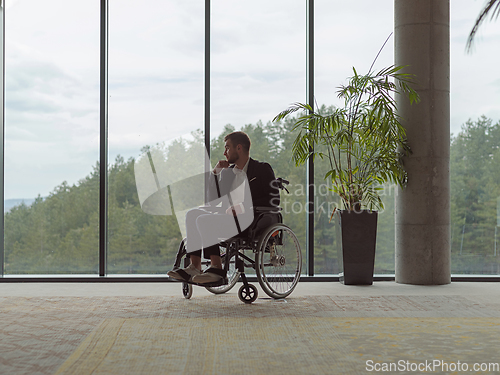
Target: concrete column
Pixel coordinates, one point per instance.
(422, 41)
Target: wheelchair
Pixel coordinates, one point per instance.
(268, 246)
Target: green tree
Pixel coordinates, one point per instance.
(60, 234)
(474, 193)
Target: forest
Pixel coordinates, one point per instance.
(59, 234)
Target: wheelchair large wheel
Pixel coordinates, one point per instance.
(232, 275)
(278, 261)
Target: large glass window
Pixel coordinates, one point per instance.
(156, 62)
(258, 69)
(475, 145)
(156, 96)
(340, 45)
(52, 136)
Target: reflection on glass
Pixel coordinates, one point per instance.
(52, 128)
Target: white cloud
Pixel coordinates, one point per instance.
(52, 95)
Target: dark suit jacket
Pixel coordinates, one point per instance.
(260, 177)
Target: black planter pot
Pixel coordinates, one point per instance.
(357, 257)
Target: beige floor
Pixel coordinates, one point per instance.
(322, 328)
(383, 288)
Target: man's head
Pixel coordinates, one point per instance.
(237, 146)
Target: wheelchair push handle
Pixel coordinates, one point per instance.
(281, 182)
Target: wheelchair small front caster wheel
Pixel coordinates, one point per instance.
(248, 294)
(187, 290)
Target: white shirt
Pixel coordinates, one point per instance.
(238, 186)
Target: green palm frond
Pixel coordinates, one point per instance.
(364, 139)
(492, 7)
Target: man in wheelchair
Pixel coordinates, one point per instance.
(237, 185)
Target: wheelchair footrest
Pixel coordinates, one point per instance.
(220, 282)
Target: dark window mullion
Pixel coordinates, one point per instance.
(207, 75)
(207, 88)
(2, 135)
(310, 164)
(103, 146)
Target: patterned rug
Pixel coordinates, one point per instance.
(221, 335)
(278, 345)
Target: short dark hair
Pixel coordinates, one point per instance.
(239, 138)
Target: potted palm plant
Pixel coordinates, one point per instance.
(363, 143)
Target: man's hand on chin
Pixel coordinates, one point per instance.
(220, 166)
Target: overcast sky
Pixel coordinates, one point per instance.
(156, 73)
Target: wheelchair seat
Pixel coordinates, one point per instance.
(264, 217)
